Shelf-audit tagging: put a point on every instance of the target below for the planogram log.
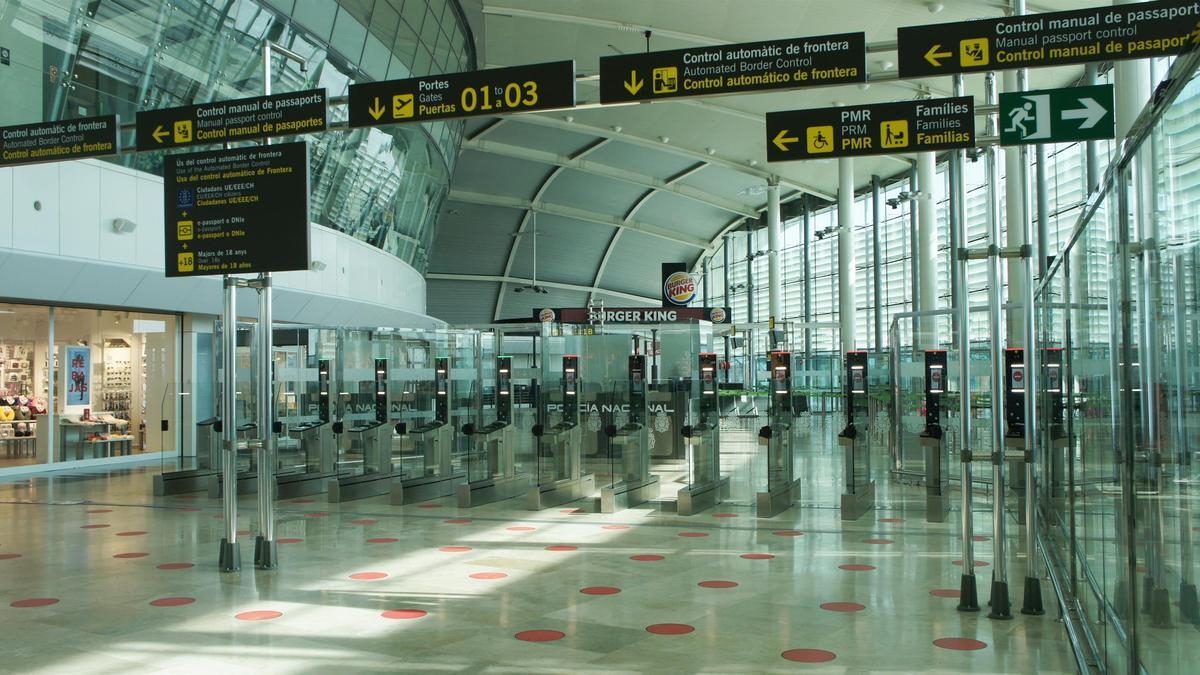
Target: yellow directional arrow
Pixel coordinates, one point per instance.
(934, 57)
(782, 139)
(160, 133)
(377, 110)
(634, 85)
(1196, 35)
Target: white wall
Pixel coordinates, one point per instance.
(66, 252)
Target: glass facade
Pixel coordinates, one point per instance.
(78, 58)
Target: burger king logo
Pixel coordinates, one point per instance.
(546, 315)
(679, 288)
(717, 315)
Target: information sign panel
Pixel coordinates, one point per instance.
(239, 211)
(243, 119)
(53, 141)
(876, 129)
(495, 91)
(729, 69)
(1132, 31)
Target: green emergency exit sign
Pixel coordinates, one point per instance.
(1057, 115)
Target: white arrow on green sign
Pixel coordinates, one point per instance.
(1057, 115)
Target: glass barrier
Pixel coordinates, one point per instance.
(629, 431)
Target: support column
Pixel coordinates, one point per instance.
(876, 257)
(230, 558)
(846, 265)
(927, 246)
(806, 238)
(727, 253)
(774, 278)
(913, 246)
(704, 280)
(749, 275)
(1015, 192)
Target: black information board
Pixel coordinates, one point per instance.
(242, 119)
(496, 91)
(728, 69)
(876, 129)
(53, 141)
(240, 211)
(1112, 33)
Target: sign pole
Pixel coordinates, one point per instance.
(999, 602)
(230, 559)
(968, 590)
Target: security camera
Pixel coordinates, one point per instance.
(894, 202)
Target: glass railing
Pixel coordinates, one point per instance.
(1117, 443)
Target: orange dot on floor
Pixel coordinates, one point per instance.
(404, 614)
(454, 549)
(258, 615)
(488, 575)
(368, 576)
(646, 557)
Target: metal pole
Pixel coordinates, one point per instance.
(704, 280)
(727, 252)
(1032, 596)
(999, 593)
(749, 274)
(230, 558)
(846, 266)
(877, 214)
(914, 250)
(968, 591)
(926, 207)
(774, 278)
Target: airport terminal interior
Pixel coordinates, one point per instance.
(599, 336)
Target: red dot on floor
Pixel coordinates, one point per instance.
(945, 593)
(363, 521)
(615, 527)
(562, 547)
(454, 549)
(856, 568)
(171, 602)
(289, 540)
(135, 554)
(891, 520)
(520, 528)
(878, 541)
(303, 501)
(34, 602)
(99, 511)
(980, 537)
(404, 614)
(382, 540)
(717, 584)
(646, 557)
(368, 576)
(843, 606)
(724, 515)
(693, 534)
(540, 635)
(429, 505)
(9, 556)
(788, 533)
(670, 629)
(961, 644)
(808, 655)
(978, 563)
(258, 615)
(757, 556)
(175, 566)
(488, 575)
(316, 514)
(600, 590)
(95, 526)
(459, 521)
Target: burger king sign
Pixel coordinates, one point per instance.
(679, 288)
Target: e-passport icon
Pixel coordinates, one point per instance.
(185, 230)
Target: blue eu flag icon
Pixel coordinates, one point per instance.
(185, 198)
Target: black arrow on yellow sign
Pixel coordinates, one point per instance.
(781, 140)
(633, 85)
(935, 57)
(377, 110)
(160, 133)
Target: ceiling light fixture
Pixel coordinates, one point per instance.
(934, 7)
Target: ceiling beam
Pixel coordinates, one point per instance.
(607, 171)
(584, 215)
(547, 120)
(522, 281)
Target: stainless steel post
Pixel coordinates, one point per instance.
(749, 275)
(1031, 599)
(265, 548)
(1000, 606)
(914, 254)
(774, 244)
(877, 214)
(230, 558)
(968, 591)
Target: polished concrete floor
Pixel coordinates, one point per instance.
(98, 576)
